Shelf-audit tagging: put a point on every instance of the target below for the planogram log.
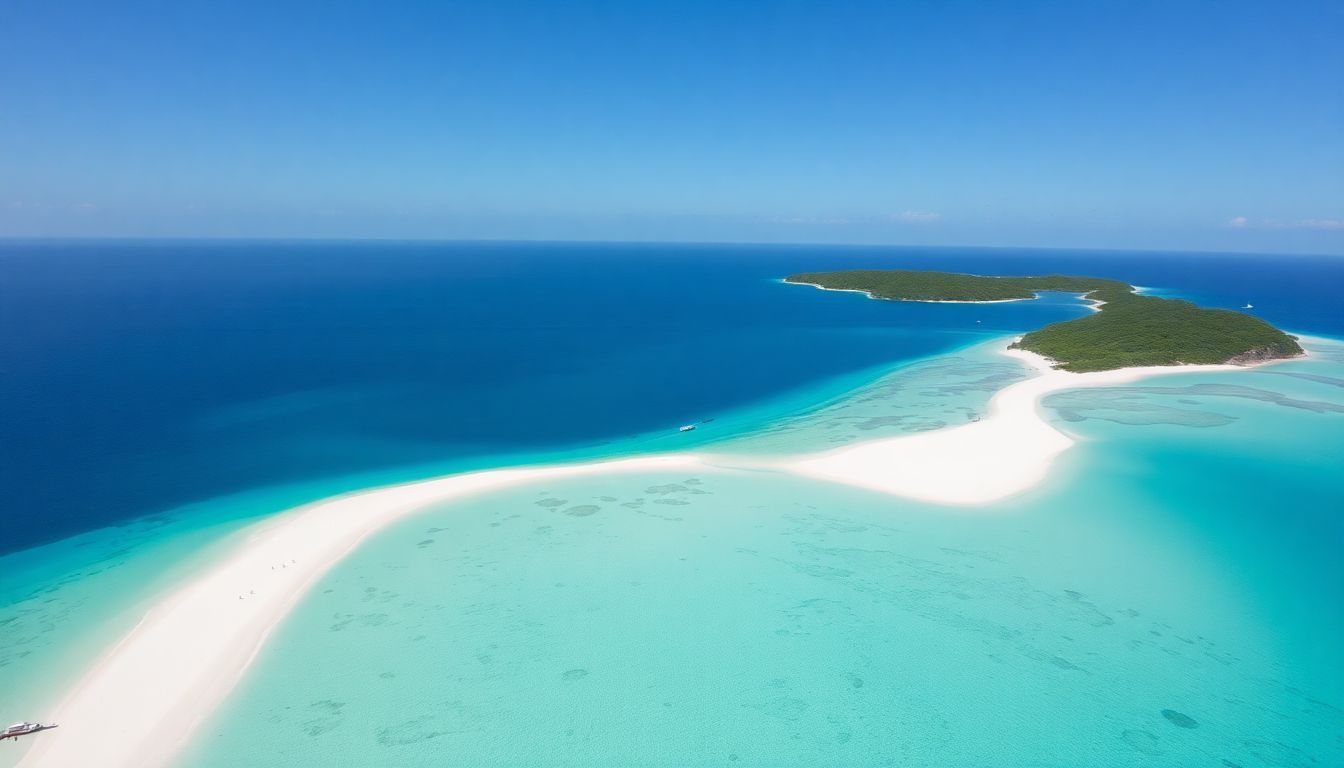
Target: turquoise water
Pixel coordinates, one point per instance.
(1170, 596)
(943, 391)
(63, 604)
(1206, 505)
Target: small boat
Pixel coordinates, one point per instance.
(1249, 306)
(687, 428)
(22, 729)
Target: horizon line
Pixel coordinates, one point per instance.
(7, 239)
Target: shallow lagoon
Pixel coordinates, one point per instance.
(1170, 597)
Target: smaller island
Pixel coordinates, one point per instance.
(1129, 330)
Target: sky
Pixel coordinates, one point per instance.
(1182, 125)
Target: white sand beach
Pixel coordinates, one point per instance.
(140, 703)
(1006, 452)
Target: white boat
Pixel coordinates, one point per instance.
(1249, 306)
(22, 729)
(687, 428)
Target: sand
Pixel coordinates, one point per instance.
(140, 703)
(1007, 452)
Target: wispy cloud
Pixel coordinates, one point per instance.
(1321, 224)
(1241, 222)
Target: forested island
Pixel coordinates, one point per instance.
(1129, 330)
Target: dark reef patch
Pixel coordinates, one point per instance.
(409, 732)
(1180, 719)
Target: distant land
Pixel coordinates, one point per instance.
(1129, 330)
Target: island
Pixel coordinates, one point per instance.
(1128, 330)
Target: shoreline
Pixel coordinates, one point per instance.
(1007, 452)
(870, 295)
(169, 673)
(1092, 304)
(142, 700)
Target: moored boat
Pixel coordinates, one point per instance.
(22, 729)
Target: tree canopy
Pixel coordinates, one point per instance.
(1130, 330)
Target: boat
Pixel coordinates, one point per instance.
(1249, 306)
(22, 729)
(687, 428)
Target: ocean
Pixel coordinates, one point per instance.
(1171, 594)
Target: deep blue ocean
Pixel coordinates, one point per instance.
(138, 376)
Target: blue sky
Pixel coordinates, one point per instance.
(1202, 125)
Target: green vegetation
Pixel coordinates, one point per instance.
(1129, 330)
(917, 285)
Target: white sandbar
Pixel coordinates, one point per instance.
(139, 704)
(1006, 452)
